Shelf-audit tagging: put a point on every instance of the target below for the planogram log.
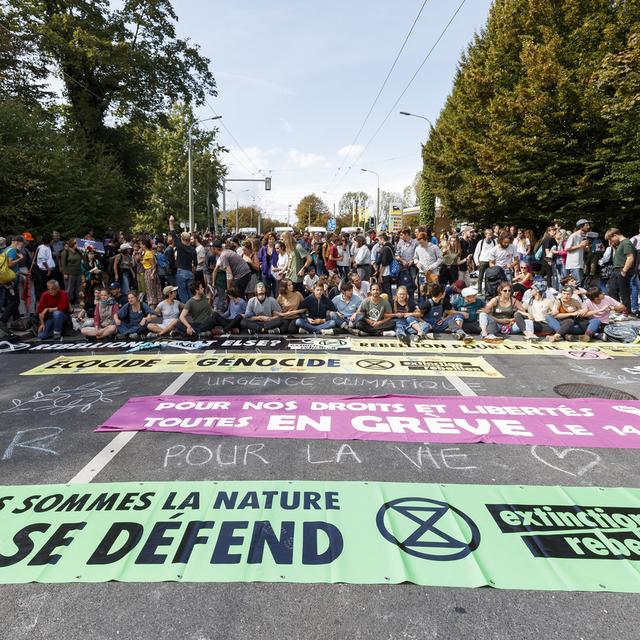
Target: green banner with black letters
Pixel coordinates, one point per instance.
(511, 537)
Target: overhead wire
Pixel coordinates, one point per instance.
(384, 84)
(408, 85)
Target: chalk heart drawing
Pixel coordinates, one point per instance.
(574, 462)
(58, 400)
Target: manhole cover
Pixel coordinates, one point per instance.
(591, 391)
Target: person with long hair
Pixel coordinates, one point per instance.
(268, 259)
(450, 260)
(104, 318)
(149, 265)
(299, 260)
(499, 314)
(169, 310)
(92, 275)
(289, 300)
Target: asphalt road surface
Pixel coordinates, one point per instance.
(57, 444)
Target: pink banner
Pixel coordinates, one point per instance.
(540, 421)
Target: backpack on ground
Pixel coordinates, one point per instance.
(621, 333)
(493, 276)
(7, 274)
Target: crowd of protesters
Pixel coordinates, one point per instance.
(411, 285)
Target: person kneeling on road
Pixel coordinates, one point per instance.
(261, 315)
(463, 318)
(317, 307)
(376, 317)
(569, 318)
(53, 311)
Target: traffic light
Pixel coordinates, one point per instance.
(267, 184)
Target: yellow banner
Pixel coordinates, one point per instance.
(418, 365)
(508, 347)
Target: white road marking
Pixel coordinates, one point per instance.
(461, 387)
(104, 457)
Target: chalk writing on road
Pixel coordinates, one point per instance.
(222, 455)
(572, 461)
(598, 374)
(40, 439)
(58, 401)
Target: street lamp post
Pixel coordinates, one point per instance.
(289, 217)
(413, 115)
(189, 160)
(378, 204)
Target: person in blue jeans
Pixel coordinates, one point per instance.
(186, 261)
(407, 317)
(317, 307)
(432, 309)
(568, 318)
(53, 311)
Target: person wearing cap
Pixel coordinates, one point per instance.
(568, 317)
(124, 268)
(575, 247)
(463, 318)
(186, 260)
(624, 264)
(169, 310)
(533, 320)
(262, 312)
(117, 294)
(15, 259)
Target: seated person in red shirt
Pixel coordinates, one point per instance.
(53, 311)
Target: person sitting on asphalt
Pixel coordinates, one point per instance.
(463, 317)
(53, 311)
(290, 300)
(133, 318)
(317, 307)
(568, 318)
(197, 317)
(375, 314)
(310, 279)
(433, 304)
(570, 281)
(360, 287)
(406, 316)
(346, 305)
(602, 304)
(522, 280)
(169, 310)
(498, 315)
(537, 307)
(117, 295)
(104, 317)
(234, 313)
(262, 315)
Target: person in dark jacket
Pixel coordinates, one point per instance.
(317, 307)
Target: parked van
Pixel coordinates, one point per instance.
(350, 230)
(280, 230)
(316, 229)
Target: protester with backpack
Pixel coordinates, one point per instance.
(10, 262)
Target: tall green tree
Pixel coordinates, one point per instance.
(350, 200)
(312, 211)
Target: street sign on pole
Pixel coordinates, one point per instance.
(331, 224)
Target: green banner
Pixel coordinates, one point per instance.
(511, 537)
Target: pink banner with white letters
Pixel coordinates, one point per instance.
(540, 421)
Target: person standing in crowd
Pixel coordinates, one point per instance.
(169, 310)
(559, 269)
(268, 258)
(375, 314)
(504, 255)
(262, 315)
(575, 247)
(133, 317)
(316, 307)
(124, 269)
(545, 251)
(428, 258)
(344, 257)
(186, 260)
(236, 268)
(299, 260)
(451, 260)
(92, 274)
(635, 278)
(331, 255)
(482, 255)
(467, 245)
(104, 318)
(57, 246)
(405, 255)
(624, 265)
(201, 254)
(363, 259)
(170, 253)
(522, 245)
(53, 311)
(151, 280)
(44, 268)
(15, 259)
(290, 301)
(162, 264)
(384, 260)
(463, 317)
(71, 267)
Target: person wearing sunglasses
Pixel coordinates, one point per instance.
(569, 317)
(499, 315)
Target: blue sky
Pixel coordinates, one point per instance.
(297, 77)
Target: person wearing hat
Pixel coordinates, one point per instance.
(124, 268)
(169, 310)
(116, 293)
(575, 247)
(463, 317)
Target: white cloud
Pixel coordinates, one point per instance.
(286, 125)
(307, 160)
(350, 151)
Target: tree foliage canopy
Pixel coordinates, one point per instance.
(312, 208)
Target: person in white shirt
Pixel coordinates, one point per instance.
(45, 269)
(360, 287)
(428, 258)
(504, 255)
(576, 243)
(363, 259)
(310, 279)
(481, 255)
